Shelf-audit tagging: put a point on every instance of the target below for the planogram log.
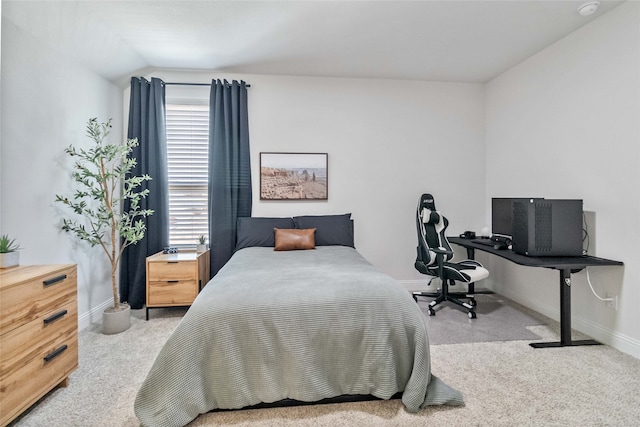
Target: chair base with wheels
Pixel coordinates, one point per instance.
(444, 294)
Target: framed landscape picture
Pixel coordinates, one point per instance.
(293, 176)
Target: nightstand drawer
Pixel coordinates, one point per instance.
(175, 279)
(181, 292)
(172, 270)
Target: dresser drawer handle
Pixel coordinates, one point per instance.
(172, 262)
(54, 280)
(173, 281)
(55, 353)
(55, 317)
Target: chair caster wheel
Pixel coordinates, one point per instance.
(432, 312)
(471, 314)
(473, 302)
(415, 298)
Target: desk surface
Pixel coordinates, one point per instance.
(557, 262)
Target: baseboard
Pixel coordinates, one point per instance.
(416, 285)
(624, 343)
(423, 285)
(619, 341)
(95, 314)
(596, 331)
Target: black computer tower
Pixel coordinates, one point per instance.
(547, 227)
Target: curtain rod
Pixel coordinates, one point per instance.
(194, 84)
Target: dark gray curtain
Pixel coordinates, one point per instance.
(229, 167)
(147, 123)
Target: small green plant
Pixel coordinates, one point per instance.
(8, 245)
(202, 240)
(103, 176)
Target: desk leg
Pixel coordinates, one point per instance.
(471, 253)
(565, 317)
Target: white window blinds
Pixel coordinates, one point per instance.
(187, 153)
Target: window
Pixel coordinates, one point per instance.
(187, 158)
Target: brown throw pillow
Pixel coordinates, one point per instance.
(290, 239)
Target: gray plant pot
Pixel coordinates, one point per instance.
(9, 259)
(116, 321)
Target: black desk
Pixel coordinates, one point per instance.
(566, 266)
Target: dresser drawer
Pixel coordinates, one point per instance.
(37, 337)
(36, 295)
(33, 379)
(172, 270)
(181, 292)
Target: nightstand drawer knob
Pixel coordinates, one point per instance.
(55, 317)
(55, 353)
(54, 280)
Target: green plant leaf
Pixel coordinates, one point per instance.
(103, 179)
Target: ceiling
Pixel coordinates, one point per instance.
(452, 40)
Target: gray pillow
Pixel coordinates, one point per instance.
(258, 231)
(330, 229)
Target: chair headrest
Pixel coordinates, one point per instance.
(427, 202)
(427, 210)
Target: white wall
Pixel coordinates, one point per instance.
(565, 123)
(46, 102)
(387, 143)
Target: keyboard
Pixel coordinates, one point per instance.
(494, 242)
(486, 242)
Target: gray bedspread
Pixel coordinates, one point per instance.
(304, 325)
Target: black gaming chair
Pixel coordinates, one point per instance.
(434, 259)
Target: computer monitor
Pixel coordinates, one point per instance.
(501, 217)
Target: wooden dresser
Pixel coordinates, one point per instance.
(38, 334)
(175, 279)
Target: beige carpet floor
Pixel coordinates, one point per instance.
(505, 383)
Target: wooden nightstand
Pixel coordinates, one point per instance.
(174, 280)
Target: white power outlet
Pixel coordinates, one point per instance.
(612, 301)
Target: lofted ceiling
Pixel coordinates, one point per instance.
(449, 40)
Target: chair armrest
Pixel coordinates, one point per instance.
(441, 251)
(470, 263)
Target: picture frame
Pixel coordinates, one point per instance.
(294, 176)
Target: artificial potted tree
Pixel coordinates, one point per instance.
(9, 255)
(102, 175)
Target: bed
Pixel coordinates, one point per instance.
(305, 325)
